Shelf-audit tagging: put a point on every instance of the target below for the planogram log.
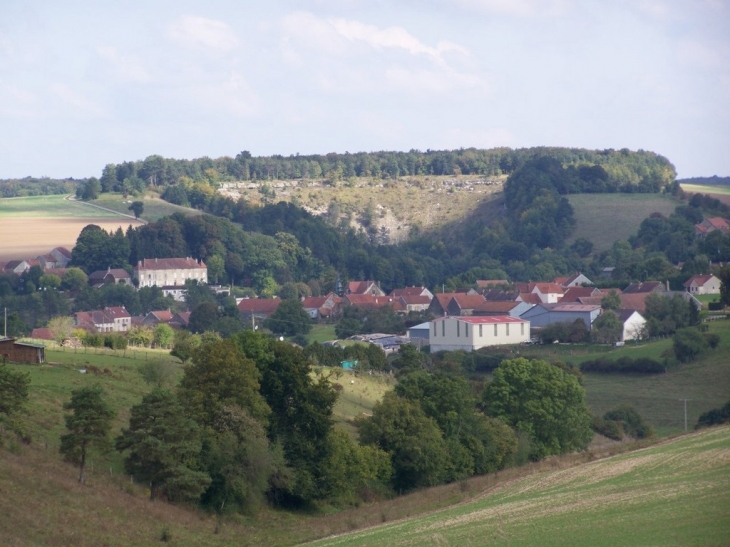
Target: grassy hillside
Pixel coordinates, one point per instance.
(154, 207)
(604, 218)
(676, 493)
(706, 382)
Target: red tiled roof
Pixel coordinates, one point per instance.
(63, 250)
(502, 306)
(370, 301)
(484, 319)
(42, 333)
(117, 311)
(407, 291)
(169, 264)
(573, 293)
(645, 287)
(530, 298)
(547, 288)
(468, 301)
(163, 316)
(259, 305)
(414, 299)
(699, 280)
(635, 301)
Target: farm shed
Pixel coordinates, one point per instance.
(21, 352)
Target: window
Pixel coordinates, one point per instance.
(457, 329)
(443, 328)
(495, 329)
(434, 329)
(466, 330)
(480, 331)
(522, 329)
(507, 329)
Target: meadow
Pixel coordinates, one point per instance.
(622, 213)
(674, 493)
(154, 207)
(34, 225)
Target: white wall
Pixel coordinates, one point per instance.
(453, 333)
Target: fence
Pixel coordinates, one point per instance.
(132, 352)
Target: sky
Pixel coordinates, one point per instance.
(84, 84)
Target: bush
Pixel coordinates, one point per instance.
(715, 306)
(688, 344)
(115, 341)
(640, 365)
(630, 421)
(712, 340)
(607, 428)
(716, 416)
(93, 340)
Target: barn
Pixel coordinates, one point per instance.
(21, 352)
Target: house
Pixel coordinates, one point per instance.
(364, 287)
(511, 308)
(62, 256)
(575, 280)
(529, 298)
(703, 284)
(440, 302)
(472, 333)
(411, 291)
(121, 318)
(321, 306)
(180, 320)
(169, 272)
(634, 301)
(21, 352)
(646, 287)
(633, 324)
(574, 293)
(498, 295)
(420, 333)
(543, 314)
(491, 283)
(549, 293)
(464, 304)
(607, 272)
(415, 302)
(258, 308)
(116, 276)
(50, 261)
(370, 301)
(17, 266)
(177, 292)
(710, 225)
(94, 321)
(154, 318)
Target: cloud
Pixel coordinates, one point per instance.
(124, 67)
(517, 8)
(333, 36)
(696, 54)
(75, 99)
(481, 138)
(391, 37)
(232, 96)
(16, 102)
(201, 33)
(431, 81)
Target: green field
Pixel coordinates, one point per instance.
(700, 189)
(604, 218)
(672, 494)
(154, 207)
(49, 206)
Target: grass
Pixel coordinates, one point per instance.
(706, 381)
(675, 493)
(702, 189)
(49, 206)
(605, 218)
(322, 333)
(154, 207)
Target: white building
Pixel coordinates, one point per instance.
(703, 284)
(169, 272)
(470, 333)
(633, 324)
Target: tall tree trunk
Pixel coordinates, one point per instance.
(82, 465)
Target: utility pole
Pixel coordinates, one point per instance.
(5, 323)
(685, 413)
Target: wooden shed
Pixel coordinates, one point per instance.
(21, 352)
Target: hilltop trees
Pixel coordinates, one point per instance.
(289, 319)
(13, 395)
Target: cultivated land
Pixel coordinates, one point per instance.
(31, 226)
(605, 218)
(719, 192)
(675, 493)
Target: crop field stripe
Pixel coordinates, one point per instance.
(673, 493)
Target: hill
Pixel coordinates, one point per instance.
(605, 218)
(675, 493)
(154, 207)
